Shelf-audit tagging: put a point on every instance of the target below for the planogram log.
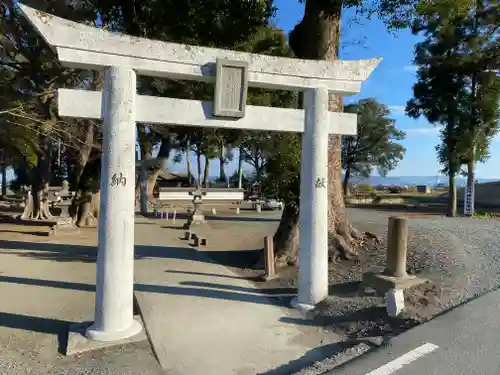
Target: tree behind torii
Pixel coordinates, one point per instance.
(317, 36)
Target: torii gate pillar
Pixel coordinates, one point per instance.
(113, 319)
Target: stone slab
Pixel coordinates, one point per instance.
(383, 283)
(66, 224)
(223, 323)
(78, 343)
(158, 58)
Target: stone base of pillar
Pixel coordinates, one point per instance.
(303, 307)
(384, 283)
(394, 302)
(195, 219)
(107, 336)
(66, 224)
(79, 343)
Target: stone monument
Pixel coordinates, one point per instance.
(196, 216)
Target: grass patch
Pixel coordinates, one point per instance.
(486, 215)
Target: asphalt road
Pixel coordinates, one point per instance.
(464, 341)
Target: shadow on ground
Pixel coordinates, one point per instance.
(82, 253)
(367, 322)
(29, 233)
(317, 354)
(218, 291)
(38, 324)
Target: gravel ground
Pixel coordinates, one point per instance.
(459, 256)
(133, 359)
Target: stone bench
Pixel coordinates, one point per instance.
(178, 198)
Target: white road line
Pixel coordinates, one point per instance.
(405, 359)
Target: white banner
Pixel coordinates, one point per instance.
(469, 201)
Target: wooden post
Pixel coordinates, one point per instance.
(269, 257)
(397, 243)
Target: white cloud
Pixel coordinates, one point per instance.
(400, 109)
(410, 68)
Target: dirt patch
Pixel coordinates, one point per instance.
(350, 310)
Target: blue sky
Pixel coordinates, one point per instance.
(391, 84)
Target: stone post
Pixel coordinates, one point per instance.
(397, 242)
(113, 318)
(143, 187)
(313, 254)
(269, 258)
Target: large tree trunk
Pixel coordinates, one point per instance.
(4, 179)
(347, 176)
(88, 208)
(198, 164)
(257, 167)
(471, 174)
(286, 238)
(206, 172)
(452, 195)
(85, 206)
(39, 185)
(240, 168)
(154, 167)
(79, 210)
(317, 37)
(222, 171)
(222, 162)
(84, 151)
(188, 165)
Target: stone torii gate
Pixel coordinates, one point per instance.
(122, 58)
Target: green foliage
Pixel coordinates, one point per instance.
(486, 215)
(282, 178)
(376, 141)
(30, 73)
(458, 84)
(364, 188)
(412, 189)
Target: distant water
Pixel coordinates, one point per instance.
(414, 180)
(407, 180)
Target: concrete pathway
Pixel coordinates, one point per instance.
(47, 283)
(203, 319)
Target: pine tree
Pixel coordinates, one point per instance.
(457, 87)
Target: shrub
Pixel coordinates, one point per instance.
(412, 188)
(395, 189)
(364, 188)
